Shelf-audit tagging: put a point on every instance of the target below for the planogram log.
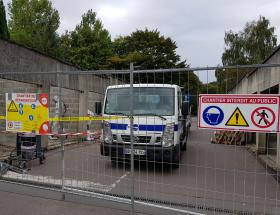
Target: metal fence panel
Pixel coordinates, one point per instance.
(218, 172)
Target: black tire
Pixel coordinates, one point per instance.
(113, 163)
(175, 164)
(41, 160)
(176, 159)
(116, 161)
(184, 146)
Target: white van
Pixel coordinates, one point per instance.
(161, 123)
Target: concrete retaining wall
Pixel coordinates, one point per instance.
(79, 92)
(262, 79)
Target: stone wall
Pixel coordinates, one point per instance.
(71, 100)
(79, 92)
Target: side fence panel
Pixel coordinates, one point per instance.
(152, 117)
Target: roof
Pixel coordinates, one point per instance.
(254, 70)
(144, 85)
(41, 53)
(270, 56)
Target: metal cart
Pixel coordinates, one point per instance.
(28, 147)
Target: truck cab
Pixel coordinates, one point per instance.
(161, 123)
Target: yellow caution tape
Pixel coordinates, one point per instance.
(77, 118)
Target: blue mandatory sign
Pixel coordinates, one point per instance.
(213, 115)
(20, 105)
(21, 112)
(31, 117)
(33, 106)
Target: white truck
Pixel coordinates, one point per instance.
(160, 128)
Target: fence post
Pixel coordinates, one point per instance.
(131, 137)
(61, 137)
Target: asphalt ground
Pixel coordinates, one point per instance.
(211, 178)
(17, 204)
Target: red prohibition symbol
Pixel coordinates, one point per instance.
(10, 125)
(263, 117)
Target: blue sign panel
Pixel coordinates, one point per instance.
(213, 115)
(187, 98)
(31, 117)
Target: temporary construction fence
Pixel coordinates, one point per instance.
(221, 172)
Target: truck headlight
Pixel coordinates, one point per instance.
(168, 135)
(107, 133)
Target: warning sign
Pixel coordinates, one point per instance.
(259, 113)
(237, 119)
(263, 117)
(27, 112)
(12, 107)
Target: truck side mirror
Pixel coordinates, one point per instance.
(98, 108)
(185, 108)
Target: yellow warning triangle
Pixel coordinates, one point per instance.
(237, 119)
(12, 107)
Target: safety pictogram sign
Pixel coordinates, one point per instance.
(27, 112)
(12, 107)
(258, 113)
(237, 119)
(263, 117)
(213, 115)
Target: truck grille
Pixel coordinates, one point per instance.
(137, 139)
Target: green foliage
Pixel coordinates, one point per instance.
(210, 88)
(34, 23)
(4, 33)
(89, 45)
(228, 78)
(151, 50)
(193, 87)
(250, 46)
(147, 49)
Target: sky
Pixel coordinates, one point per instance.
(197, 26)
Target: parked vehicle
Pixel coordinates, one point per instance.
(161, 123)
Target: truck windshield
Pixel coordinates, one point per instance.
(146, 100)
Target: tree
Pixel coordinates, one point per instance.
(151, 50)
(4, 33)
(34, 23)
(89, 45)
(209, 88)
(250, 46)
(192, 87)
(147, 49)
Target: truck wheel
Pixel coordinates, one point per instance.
(176, 159)
(117, 161)
(41, 160)
(113, 163)
(184, 146)
(176, 164)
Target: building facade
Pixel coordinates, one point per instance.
(263, 81)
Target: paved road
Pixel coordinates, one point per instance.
(210, 177)
(16, 204)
